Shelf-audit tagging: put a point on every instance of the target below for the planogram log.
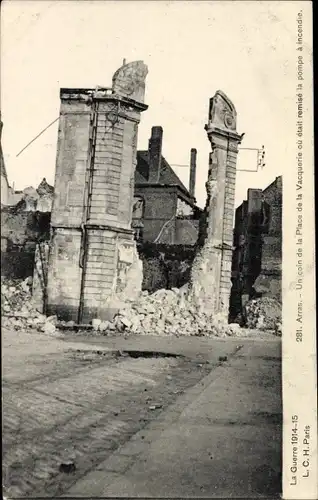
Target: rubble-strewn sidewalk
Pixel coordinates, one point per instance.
(165, 312)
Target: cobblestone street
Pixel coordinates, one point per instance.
(73, 402)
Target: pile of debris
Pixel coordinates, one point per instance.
(264, 314)
(18, 310)
(167, 312)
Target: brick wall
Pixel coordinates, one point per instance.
(273, 195)
(269, 280)
(160, 204)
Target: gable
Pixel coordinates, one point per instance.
(167, 174)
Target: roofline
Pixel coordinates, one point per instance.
(101, 94)
(182, 188)
(272, 183)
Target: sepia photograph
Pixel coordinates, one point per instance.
(157, 249)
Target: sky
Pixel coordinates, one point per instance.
(192, 49)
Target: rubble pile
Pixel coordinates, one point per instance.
(264, 314)
(18, 310)
(167, 312)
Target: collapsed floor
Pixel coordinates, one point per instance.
(165, 312)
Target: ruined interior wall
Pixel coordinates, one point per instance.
(269, 281)
(257, 259)
(186, 231)
(20, 232)
(273, 195)
(165, 266)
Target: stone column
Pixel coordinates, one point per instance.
(92, 248)
(211, 276)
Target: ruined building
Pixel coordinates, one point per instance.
(257, 258)
(92, 252)
(164, 209)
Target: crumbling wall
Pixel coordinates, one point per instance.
(269, 281)
(257, 258)
(186, 231)
(39, 283)
(20, 232)
(23, 225)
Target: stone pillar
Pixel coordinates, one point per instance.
(92, 247)
(211, 276)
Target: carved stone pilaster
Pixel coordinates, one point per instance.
(211, 273)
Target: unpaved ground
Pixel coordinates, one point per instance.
(65, 401)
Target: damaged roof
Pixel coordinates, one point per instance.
(167, 174)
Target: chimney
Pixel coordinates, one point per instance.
(154, 154)
(193, 167)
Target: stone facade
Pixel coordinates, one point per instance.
(211, 273)
(92, 208)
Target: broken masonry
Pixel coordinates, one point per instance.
(93, 265)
